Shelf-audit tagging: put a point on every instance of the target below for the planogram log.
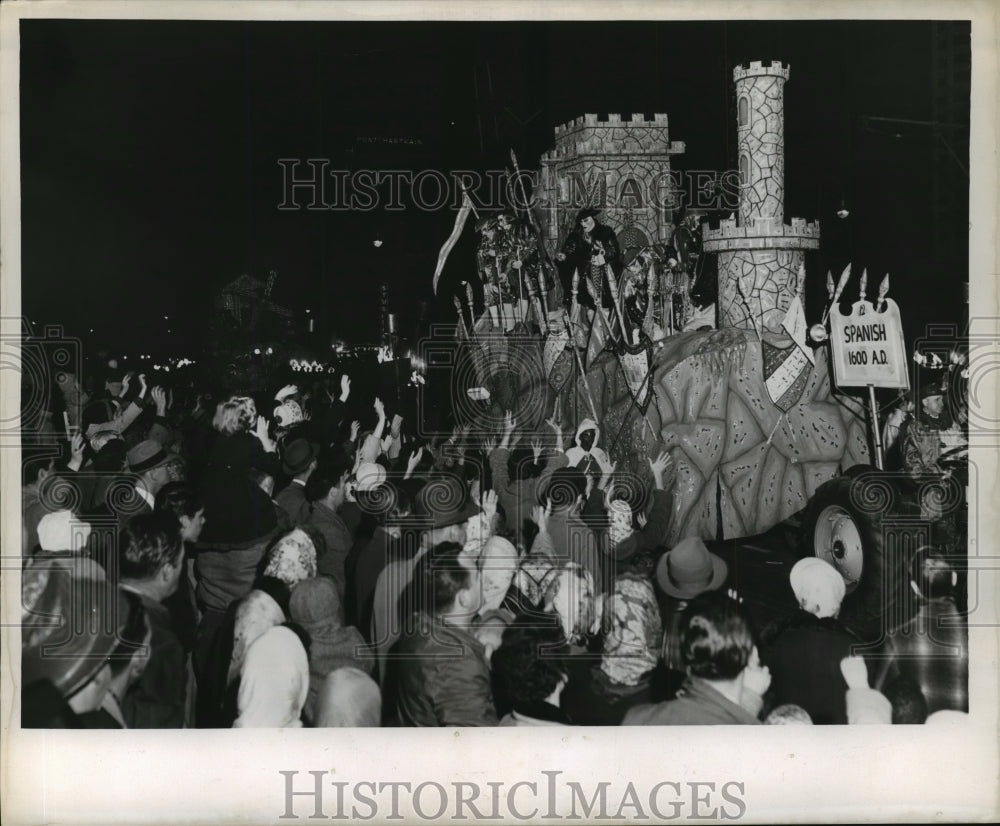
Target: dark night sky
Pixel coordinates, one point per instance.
(149, 149)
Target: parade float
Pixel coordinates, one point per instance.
(594, 305)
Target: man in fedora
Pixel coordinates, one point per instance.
(299, 461)
(148, 460)
(441, 509)
(683, 573)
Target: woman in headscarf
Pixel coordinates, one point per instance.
(256, 614)
(274, 681)
(315, 607)
(602, 695)
(349, 698)
(293, 559)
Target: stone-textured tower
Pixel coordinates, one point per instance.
(760, 255)
(621, 166)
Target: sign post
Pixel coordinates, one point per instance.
(868, 351)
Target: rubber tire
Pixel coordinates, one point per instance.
(865, 607)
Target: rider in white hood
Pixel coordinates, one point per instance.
(585, 448)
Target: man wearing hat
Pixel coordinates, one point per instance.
(148, 460)
(441, 509)
(588, 248)
(683, 573)
(65, 673)
(298, 461)
(805, 651)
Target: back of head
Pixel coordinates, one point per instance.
(909, 706)
(147, 543)
(531, 660)
(349, 698)
(329, 474)
(237, 415)
(716, 642)
(935, 578)
(440, 576)
(788, 715)
(521, 464)
(315, 603)
(565, 486)
(179, 499)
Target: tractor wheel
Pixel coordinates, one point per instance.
(837, 529)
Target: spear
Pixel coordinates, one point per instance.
(863, 286)
(846, 274)
(461, 316)
(579, 364)
(883, 291)
(829, 285)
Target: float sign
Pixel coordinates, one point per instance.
(867, 346)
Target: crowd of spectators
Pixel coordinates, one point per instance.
(307, 559)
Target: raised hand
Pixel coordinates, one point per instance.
(756, 677)
(379, 409)
(662, 463)
(541, 515)
(125, 384)
(142, 385)
(509, 422)
(345, 387)
(160, 399)
(488, 503)
(489, 445)
(536, 448)
(355, 428)
(287, 390)
(76, 445)
(261, 434)
(413, 461)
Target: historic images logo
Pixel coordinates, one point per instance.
(310, 184)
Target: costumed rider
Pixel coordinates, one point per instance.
(585, 453)
(526, 270)
(636, 289)
(491, 261)
(701, 271)
(588, 248)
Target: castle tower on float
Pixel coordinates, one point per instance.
(759, 254)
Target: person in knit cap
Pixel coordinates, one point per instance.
(315, 606)
(804, 650)
(348, 698)
(62, 533)
(864, 704)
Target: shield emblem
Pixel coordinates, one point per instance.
(786, 373)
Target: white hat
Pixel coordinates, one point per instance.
(818, 586)
(62, 531)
